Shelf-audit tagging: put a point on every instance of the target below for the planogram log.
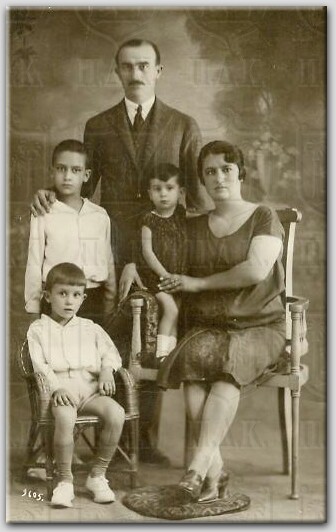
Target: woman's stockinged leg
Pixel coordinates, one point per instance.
(112, 416)
(65, 419)
(195, 396)
(218, 414)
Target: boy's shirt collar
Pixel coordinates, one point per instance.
(71, 323)
(60, 206)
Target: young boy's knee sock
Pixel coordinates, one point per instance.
(162, 345)
(100, 467)
(63, 458)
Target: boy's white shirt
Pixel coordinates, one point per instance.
(65, 235)
(81, 344)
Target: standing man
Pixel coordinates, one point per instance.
(124, 143)
(128, 140)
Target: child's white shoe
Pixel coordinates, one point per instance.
(99, 487)
(63, 495)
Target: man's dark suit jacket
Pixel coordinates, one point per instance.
(171, 137)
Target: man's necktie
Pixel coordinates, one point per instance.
(138, 120)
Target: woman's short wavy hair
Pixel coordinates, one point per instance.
(232, 154)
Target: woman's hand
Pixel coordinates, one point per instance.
(42, 201)
(61, 397)
(180, 283)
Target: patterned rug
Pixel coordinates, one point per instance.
(167, 502)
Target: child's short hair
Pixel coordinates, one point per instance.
(65, 273)
(163, 172)
(73, 145)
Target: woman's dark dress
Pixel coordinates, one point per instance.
(169, 243)
(231, 334)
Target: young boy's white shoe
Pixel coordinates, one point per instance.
(100, 489)
(63, 495)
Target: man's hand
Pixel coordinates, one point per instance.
(129, 275)
(61, 397)
(42, 201)
(106, 382)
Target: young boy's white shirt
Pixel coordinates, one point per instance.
(65, 235)
(81, 344)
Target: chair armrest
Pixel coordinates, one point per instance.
(151, 319)
(129, 392)
(297, 304)
(144, 330)
(39, 395)
(299, 345)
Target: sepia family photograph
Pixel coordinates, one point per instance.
(166, 274)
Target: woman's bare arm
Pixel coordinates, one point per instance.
(264, 251)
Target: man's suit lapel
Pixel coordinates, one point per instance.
(119, 121)
(159, 121)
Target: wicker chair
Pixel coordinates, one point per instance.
(42, 424)
(289, 375)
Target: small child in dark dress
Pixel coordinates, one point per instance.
(164, 248)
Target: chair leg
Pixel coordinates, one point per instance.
(295, 444)
(96, 434)
(285, 418)
(134, 450)
(155, 426)
(47, 435)
(33, 435)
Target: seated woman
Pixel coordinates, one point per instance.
(235, 313)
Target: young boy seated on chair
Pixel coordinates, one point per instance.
(77, 358)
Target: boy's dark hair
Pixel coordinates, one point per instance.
(232, 154)
(134, 43)
(73, 145)
(65, 273)
(163, 172)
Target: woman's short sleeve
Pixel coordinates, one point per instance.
(267, 223)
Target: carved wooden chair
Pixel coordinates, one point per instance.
(41, 430)
(288, 376)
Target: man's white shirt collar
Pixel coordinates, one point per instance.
(132, 107)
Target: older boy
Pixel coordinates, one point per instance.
(75, 230)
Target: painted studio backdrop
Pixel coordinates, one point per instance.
(252, 76)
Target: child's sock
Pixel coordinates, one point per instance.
(100, 467)
(162, 345)
(63, 458)
(64, 472)
(172, 343)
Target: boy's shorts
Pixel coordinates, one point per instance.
(81, 385)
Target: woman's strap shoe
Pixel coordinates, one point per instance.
(191, 484)
(214, 489)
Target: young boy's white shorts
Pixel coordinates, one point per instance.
(81, 384)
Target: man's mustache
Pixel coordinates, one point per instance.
(131, 83)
